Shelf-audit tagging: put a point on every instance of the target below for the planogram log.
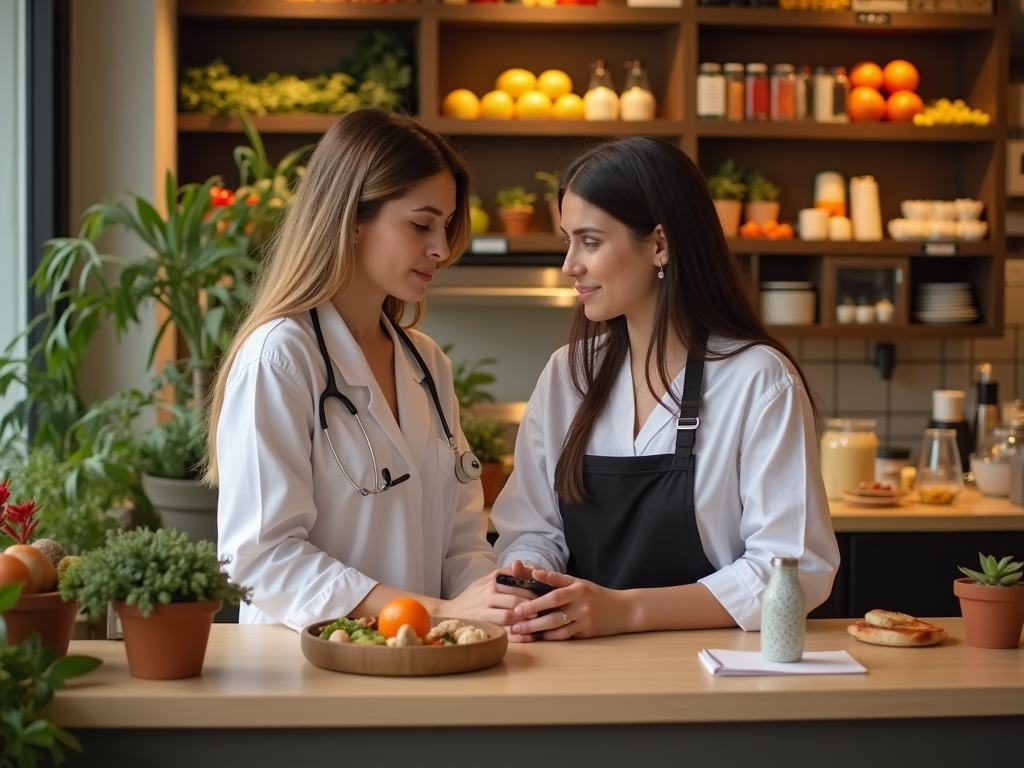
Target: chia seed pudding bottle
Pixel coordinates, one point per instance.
(782, 613)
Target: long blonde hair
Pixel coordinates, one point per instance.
(368, 157)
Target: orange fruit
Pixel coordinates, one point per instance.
(554, 82)
(567, 107)
(497, 105)
(533, 105)
(867, 73)
(782, 232)
(515, 82)
(750, 229)
(902, 106)
(403, 610)
(865, 105)
(461, 103)
(900, 75)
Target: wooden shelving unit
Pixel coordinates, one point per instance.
(959, 56)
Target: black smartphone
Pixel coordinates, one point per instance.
(537, 587)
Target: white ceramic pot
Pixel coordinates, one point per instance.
(788, 307)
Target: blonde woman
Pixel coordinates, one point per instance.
(345, 480)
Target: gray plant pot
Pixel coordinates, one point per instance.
(184, 505)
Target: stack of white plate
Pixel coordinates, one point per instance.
(945, 303)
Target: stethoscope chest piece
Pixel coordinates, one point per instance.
(467, 467)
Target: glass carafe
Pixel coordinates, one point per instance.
(940, 475)
(991, 464)
(637, 102)
(849, 448)
(600, 102)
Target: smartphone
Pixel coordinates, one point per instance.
(537, 587)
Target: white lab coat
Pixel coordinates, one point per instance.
(758, 490)
(311, 546)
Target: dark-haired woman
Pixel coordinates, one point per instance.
(668, 452)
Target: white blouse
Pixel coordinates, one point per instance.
(308, 543)
(758, 490)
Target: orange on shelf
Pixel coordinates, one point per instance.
(782, 232)
(868, 74)
(751, 229)
(900, 75)
(901, 107)
(865, 105)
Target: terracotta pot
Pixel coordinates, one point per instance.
(729, 212)
(993, 616)
(492, 478)
(45, 613)
(761, 211)
(515, 220)
(170, 643)
(556, 217)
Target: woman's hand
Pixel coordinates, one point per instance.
(575, 608)
(485, 600)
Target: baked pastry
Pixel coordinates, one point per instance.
(896, 629)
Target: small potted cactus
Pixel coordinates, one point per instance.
(515, 207)
(992, 603)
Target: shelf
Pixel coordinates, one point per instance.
(511, 15)
(279, 9)
(889, 331)
(765, 247)
(821, 21)
(455, 127)
(844, 132)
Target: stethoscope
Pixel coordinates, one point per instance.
(467, 465)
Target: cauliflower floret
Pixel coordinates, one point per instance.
(446, 627)
(466, 635)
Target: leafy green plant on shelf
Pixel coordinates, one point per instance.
(727, 183)
(515, 197)
(551, 181)
(469, 379)
(29, 676)
(485, 437)
(146, 568)
(995, 574)
(759, 189)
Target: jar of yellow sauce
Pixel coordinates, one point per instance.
(848, 451)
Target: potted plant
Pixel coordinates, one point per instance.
(728, 190)
(165, 589)
(40, 608)
(515, 207)
(486, 439)
(762, 204)
(551, 196)
(992, 603)
(31, 675)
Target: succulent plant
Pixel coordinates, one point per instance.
(996, 574)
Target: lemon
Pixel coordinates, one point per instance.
(567, 107)
(497, 105)
(554, 82)
(515, 82)
(533, 105)
(461, 103)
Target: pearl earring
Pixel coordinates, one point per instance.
(661, 271)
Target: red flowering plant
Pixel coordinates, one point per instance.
(18, 521)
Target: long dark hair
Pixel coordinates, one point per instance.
(643, 182)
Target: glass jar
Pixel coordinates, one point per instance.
(824, 87)
(804, 93)
(848, 451)
(783, 615)
(783, 93)
(600, 102)
(758, 92)
(711, 92)
(890, 463)
(637, 102)
(991, 464)
(940, 475)
(735, 92)
(840, 93)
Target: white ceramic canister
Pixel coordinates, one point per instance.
(783, 617)
(865, 209)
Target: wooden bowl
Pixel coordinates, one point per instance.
(406, 661)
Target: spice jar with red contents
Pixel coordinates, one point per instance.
(783, 93)
(758, 92)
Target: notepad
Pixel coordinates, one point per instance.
(723, 663)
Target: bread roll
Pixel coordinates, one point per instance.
(881, 618)
(897, 630)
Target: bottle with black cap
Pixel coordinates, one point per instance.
(988, 405)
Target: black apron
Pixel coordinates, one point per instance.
(638, 526)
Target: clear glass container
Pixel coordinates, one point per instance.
(783, 93)
(804, 93)
(940, 475)
(600, 102)
(840, 93)
(758, 92)
(637, 102)
(735, 92)
(848, 451)
(711, 92)
(824, 90)
(991, 463)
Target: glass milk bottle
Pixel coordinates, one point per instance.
(849, 448)
(600, 102)
(637, 102)
(782, 613)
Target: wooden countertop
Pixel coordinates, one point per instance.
(971, 512)
(256, 677)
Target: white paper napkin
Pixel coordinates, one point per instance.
(723, 663)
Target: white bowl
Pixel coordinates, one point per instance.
(916, 209)
(944, 210)
(788, 307)
(991, 477)
(942, 229)
(971, 231)
(968, 209)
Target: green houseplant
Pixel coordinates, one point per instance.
(515, 207)
(728, 190)
(992, 602)
(551, 181)
(31, 673)
(762, 199)
(166, 590)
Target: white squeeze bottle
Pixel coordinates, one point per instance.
(782, 613)
(600, 102)
(637, 102)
